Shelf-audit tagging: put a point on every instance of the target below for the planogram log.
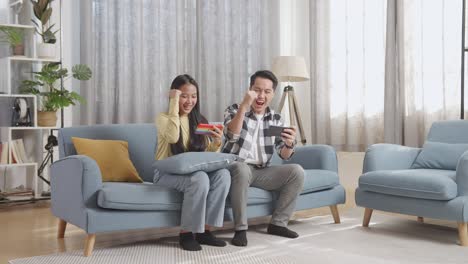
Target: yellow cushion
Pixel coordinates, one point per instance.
(111, 156)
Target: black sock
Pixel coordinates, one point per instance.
(240, 238)
(187, 242)
(281, 231)
(208, 238)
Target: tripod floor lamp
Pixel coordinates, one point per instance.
(291, 69)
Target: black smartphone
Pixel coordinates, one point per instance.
(274, 131)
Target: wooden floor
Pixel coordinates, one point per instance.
(31, 230)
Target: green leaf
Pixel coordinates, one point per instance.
(14, 36)
(43, 5)
(46, 16)
(81, 72)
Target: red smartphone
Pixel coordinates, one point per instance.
(205, 129)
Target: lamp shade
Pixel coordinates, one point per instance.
(290, 69)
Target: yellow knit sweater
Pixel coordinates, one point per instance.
(169, 125)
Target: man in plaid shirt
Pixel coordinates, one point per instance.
(246, 127)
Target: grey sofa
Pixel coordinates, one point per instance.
(81, 198)
(426, 182)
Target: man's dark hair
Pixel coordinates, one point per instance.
(266, 75)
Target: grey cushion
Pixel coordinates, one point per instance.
(189, 162)
(138, 196)
(416, 183)
(317, 180)
(437, 155)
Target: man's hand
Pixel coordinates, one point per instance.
(289, 136)
(248, 99)
(173, 93)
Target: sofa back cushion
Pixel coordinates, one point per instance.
(437, 155)
(141, 138)
(111, 156)
(452, 131)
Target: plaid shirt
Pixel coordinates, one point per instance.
(241, 144)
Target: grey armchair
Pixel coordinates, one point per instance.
(426, 182)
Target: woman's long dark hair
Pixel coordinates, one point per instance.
(197, 143)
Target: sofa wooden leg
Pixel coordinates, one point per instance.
(89, 244)
(335, 213)
(62, 225)
(463, 234)
(367, 217)
(420, 219)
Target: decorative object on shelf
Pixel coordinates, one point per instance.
(53, 98)
(291, 69)
(43, 11)
(13, 36)
(21, 115)
(16, 6)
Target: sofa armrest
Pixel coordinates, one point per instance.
(74, 183)
(462, 175)
(315, 157)
(389, 157)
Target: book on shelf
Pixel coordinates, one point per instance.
(14, 153)
(18, 191)
(18, 151)
(22, 151)
(3, 152)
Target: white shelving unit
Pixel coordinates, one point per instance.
(13, 70)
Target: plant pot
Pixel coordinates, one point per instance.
(46, 119)
(18, 50)
(45, 50)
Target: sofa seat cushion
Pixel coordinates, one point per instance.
(317, 180)
(149, 197)
(138, 196)
(416, 183)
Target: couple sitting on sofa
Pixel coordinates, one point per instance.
(205, 193)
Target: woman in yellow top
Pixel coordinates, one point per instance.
(204, 193)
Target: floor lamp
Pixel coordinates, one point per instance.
(291, 69)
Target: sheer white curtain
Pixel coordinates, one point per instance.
(431, 64)
(136, 48)
(383, 71)
(347, 72)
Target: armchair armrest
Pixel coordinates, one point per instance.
(389, 157)
(320, 157)
(462, 175)
(74, 183)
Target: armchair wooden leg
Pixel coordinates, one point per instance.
(61, 228)
(89, 244)
(463, 234)
(335, 213)
(420, 219)
(367, 217)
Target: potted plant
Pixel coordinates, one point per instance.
(51, 98)
(13, 36)
(43, 11)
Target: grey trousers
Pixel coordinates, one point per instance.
(204, 197)
(287, 179)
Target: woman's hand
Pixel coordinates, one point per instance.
(173, 93)
(216, 135)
